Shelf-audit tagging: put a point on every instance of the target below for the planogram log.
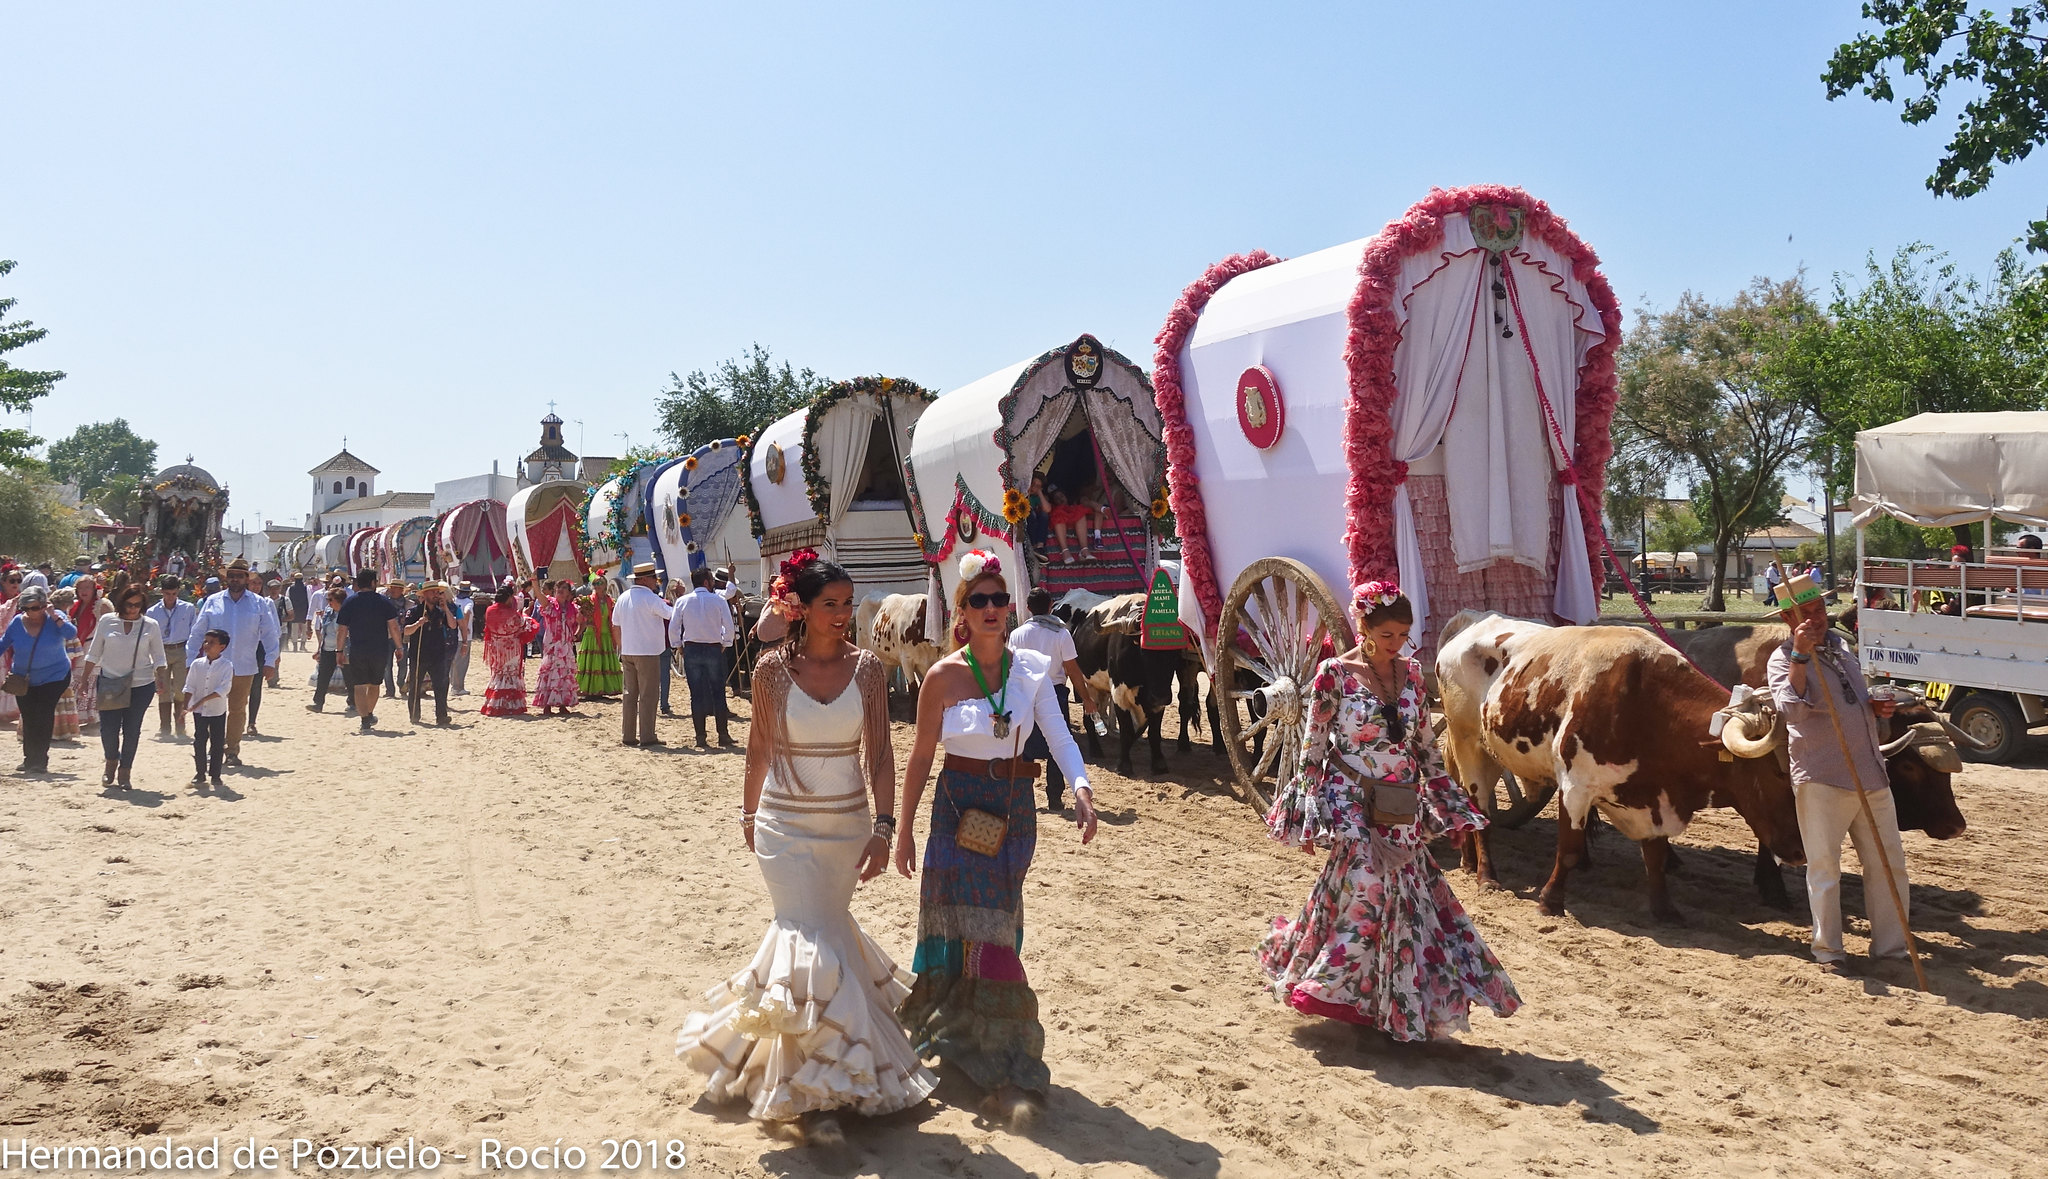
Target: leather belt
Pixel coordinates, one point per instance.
(1004, 767)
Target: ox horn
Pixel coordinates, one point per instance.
(1893, 748)
(1736, 738)
(1959, 737)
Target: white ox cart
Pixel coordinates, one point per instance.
(616, 526)
(830, 477)
(471, 543)
(1990, 659)
(1080, 415)
(691, 506)
(547, 529)
(1430, 405)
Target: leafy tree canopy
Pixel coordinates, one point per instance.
(34, 523)
(96, 453)
(19, 388)
(736, 397)
(1706, 392)
(2003, 65)
(1917, 337)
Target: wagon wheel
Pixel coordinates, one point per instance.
(1278, 622)
(1519, 808)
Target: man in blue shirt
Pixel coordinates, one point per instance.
(251, 622)
(174, 618)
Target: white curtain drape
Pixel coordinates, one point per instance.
(1031, 439)
(1463, 385)
(843, 449)
(1442, 297)
(1130, 453)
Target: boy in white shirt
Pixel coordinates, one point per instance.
(208, 680)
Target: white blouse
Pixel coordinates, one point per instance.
(969, 726)
(117, 652)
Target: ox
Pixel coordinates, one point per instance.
(1617, 721)
(1919, 744)
(893, 627)
(1138, 684)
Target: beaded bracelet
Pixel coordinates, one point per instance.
(885, 826)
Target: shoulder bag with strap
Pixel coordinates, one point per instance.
(17, 682)
(114, 697)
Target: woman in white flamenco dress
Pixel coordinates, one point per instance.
(809, 1027)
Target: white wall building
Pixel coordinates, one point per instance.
(375, 511)
(338, 481)
(450, 493)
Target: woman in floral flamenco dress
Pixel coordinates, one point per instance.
(561, 619)
(597, 655)
(1381, 942)
(807, 1031)
(506, 630)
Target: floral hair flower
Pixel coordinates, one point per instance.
(1374, 594)
(782, 589)
(977, 564)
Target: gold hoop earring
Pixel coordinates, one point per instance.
(1372, 649)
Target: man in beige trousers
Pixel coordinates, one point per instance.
(640, 628)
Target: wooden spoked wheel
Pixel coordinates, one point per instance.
(1278, 622)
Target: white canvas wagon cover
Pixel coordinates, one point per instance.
(1940, 469)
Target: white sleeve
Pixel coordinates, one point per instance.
(1045, 713)
(1065, 649)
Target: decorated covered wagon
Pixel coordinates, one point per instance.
(1429, 405)
(617, 532)
(545, 521)
(829, 477)
(1081, 419)
(361, 549)
(330, 553)
(691, 505)
(471, 543)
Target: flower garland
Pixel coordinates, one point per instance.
(990, 525)
(814, 478)
(1376, 333)
(614, 533)
(1184, 489)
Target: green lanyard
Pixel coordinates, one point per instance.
(998, 705)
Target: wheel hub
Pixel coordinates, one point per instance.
(1282, 699)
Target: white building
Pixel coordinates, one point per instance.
(451, 493)
(375, 511)
(335, 482)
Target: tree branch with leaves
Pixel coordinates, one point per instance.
(19, 387)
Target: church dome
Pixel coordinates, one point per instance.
(189, 472)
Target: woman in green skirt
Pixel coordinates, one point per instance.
(597, 652)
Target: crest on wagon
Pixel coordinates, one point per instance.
(1084, 362)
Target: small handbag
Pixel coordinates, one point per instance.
(982, 832)
(17, 682)
(113, 697)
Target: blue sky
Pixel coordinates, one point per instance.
(253, 229)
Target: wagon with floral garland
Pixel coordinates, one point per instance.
(546, 527)
(1082, 418)
(829, 477)
(1429, 405)
(691, 508)
(472, 543)
(617, 528)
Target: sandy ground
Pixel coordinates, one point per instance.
(493, 932)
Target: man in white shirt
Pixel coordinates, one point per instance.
(1045, 633)
(640, 629)
(726, 588)
(251, 623)
(704, 631)
(174, 617)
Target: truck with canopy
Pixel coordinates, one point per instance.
(1983, 650)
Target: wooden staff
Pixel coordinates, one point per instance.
(1884, 857)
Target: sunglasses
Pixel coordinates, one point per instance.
(986, 601)
(1390, 716)
(33, 606)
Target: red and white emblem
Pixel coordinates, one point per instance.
(1260, 412)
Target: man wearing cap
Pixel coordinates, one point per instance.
(251, 623)
(639, 632)
(440, 633)
(1812, 674)
(80, 566)
(174, 618)
(704, 630)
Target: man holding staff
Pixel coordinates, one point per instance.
(1833, 740)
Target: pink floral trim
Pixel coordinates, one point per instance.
(1184, 490)
(1376, 333)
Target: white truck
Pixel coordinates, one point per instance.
(1972, 626)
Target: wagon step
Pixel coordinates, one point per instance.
(1109, 572)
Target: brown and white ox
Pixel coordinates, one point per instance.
(1619, 722)
(1136, 684)
(893, 627)
(1920, 745)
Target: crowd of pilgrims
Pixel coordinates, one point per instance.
(821, 1021)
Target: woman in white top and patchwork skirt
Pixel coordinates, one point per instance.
(809, 1027)
(972, 1007)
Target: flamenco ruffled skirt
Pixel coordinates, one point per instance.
(810, 1024)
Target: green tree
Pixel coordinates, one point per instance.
(1704, 388)
(2002, 66)
(1675, 528)
(19, 387)
(96, 453)
(34, 523)
(736, 397)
